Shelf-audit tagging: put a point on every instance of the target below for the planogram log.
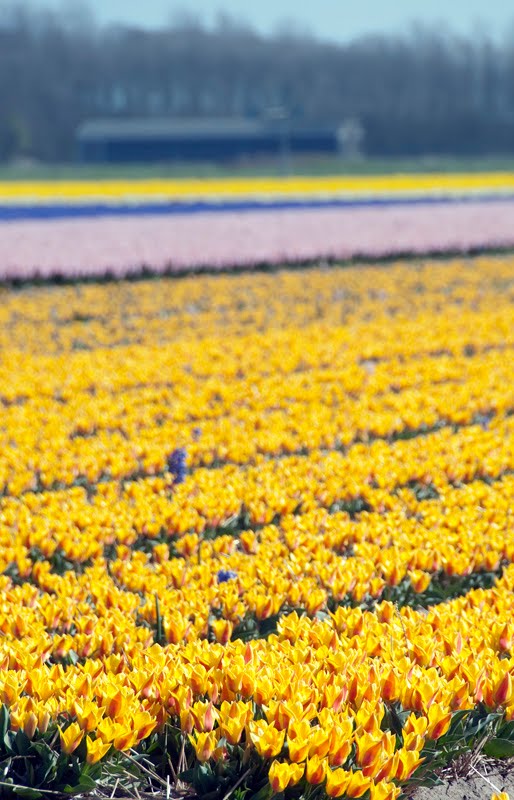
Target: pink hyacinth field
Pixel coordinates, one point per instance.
(126, 245)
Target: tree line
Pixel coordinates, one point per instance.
(427, 91)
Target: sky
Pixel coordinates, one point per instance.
(336, 20)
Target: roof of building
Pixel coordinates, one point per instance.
(169, 128)
(158, 128)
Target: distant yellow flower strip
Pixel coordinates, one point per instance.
(257, 530)
(263, 189)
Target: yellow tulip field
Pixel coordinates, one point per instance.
(257, 531)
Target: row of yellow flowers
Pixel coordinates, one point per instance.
(45, 441)
(262, 188)
(361, 302)
(126, 423)
(368, 476)
(321, 687)
(271, 392)
(312, 562)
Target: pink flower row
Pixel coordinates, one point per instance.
(125, 245)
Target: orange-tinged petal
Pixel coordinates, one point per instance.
(204, 744)
(282, 775)
(315, 770)
(96, 749)
(503, 692)
(439, 719)
(358, 785)
(71, 738)
(383, 790)
(337, 782)
(267, 740)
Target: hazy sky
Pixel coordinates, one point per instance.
(334, 19)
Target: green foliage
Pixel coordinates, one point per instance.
(499, 748)
(34, 766)
(443, 587)
(159, 634)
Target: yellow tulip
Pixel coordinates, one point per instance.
(204, 716)
(143, 724)
(30, 725)
(319, 743)
(125, 738)
(408, 761)
(340, 742)
(369, 750)
(420, 580)
(88, 715)
(222, 630)
(96, 750)
(71, 738)
(357, 785)
(298, 740)
(383, 791)
(233, 717)
(232, 730)
(107, 730)
(204, 745)
(439, 719)
(315, 770)
(337, 782)
(267, 740)
(283, 775)
(503, 693)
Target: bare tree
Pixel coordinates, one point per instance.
(426, 91)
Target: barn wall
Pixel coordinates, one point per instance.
(147, 150)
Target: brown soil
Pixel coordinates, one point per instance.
(473, 787)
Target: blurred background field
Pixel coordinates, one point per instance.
(160, 137)
(236, 89)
